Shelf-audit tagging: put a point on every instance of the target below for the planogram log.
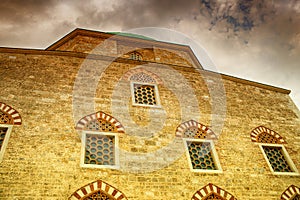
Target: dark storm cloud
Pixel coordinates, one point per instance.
(229, 17)
(135, 13)
(28, 11)
(19, 19)
(236, 15)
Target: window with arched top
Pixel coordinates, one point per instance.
(99, 136)
(199, 143)
(98, 190)
(144, 88)
(8, 118)
(135, 56)
(272, 147)
(212, 192)
(291, 193)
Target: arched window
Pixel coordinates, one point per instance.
(135, 56)
(291, 193)
(271, 145)
(212, 192)
(200, 150)
(8, 118)
(99, 140)
(144, 88)
(98, 190)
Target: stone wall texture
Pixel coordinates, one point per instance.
(53, 89)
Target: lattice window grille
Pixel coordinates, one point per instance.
(145, 94)
(99, 195)
(278, 159)
(99, 150)
(5, 119)
(195, 132)
(267, 138)
(202, 155)
(100, 125)
(214, 196)
(136, 56)
(5, 131)
(142, 78)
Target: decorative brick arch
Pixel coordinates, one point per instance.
(134, 74)
(180, 131)
(211, 189)
(81, 124)
(290, 192)
(262, 132)
(96, 186)
(8, 115)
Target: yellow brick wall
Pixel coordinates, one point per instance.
(42, 159)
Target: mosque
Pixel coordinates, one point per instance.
(116, 116)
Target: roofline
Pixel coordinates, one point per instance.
(95, 56)
(105, 35)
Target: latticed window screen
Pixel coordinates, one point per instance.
(100, 149)
(99, 195)
(296, 197)
(277, 159)
(142, 78)
(144, 94)
(201, 155)
(195, 132)
(214, 196)
(266, 138)
(5, 119)
(100, 125)
(3, 131)
(136, 56)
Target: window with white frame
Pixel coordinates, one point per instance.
(145, 94)
(278, 159)
(99, 150)
(99, 140)
(202, 155)
(199, 144)
(5, 131)
(144, 89)
(274, 152)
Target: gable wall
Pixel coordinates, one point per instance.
(43, 154)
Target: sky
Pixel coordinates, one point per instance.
(257, 40)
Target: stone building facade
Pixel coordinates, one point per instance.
(112, 116)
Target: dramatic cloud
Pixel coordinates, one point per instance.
(252, 39)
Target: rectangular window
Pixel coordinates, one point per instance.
(99, 150)
(145, 94)
(4, 137)
(278, 160)
(202, 156)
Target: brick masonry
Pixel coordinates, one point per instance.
(42, 158)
